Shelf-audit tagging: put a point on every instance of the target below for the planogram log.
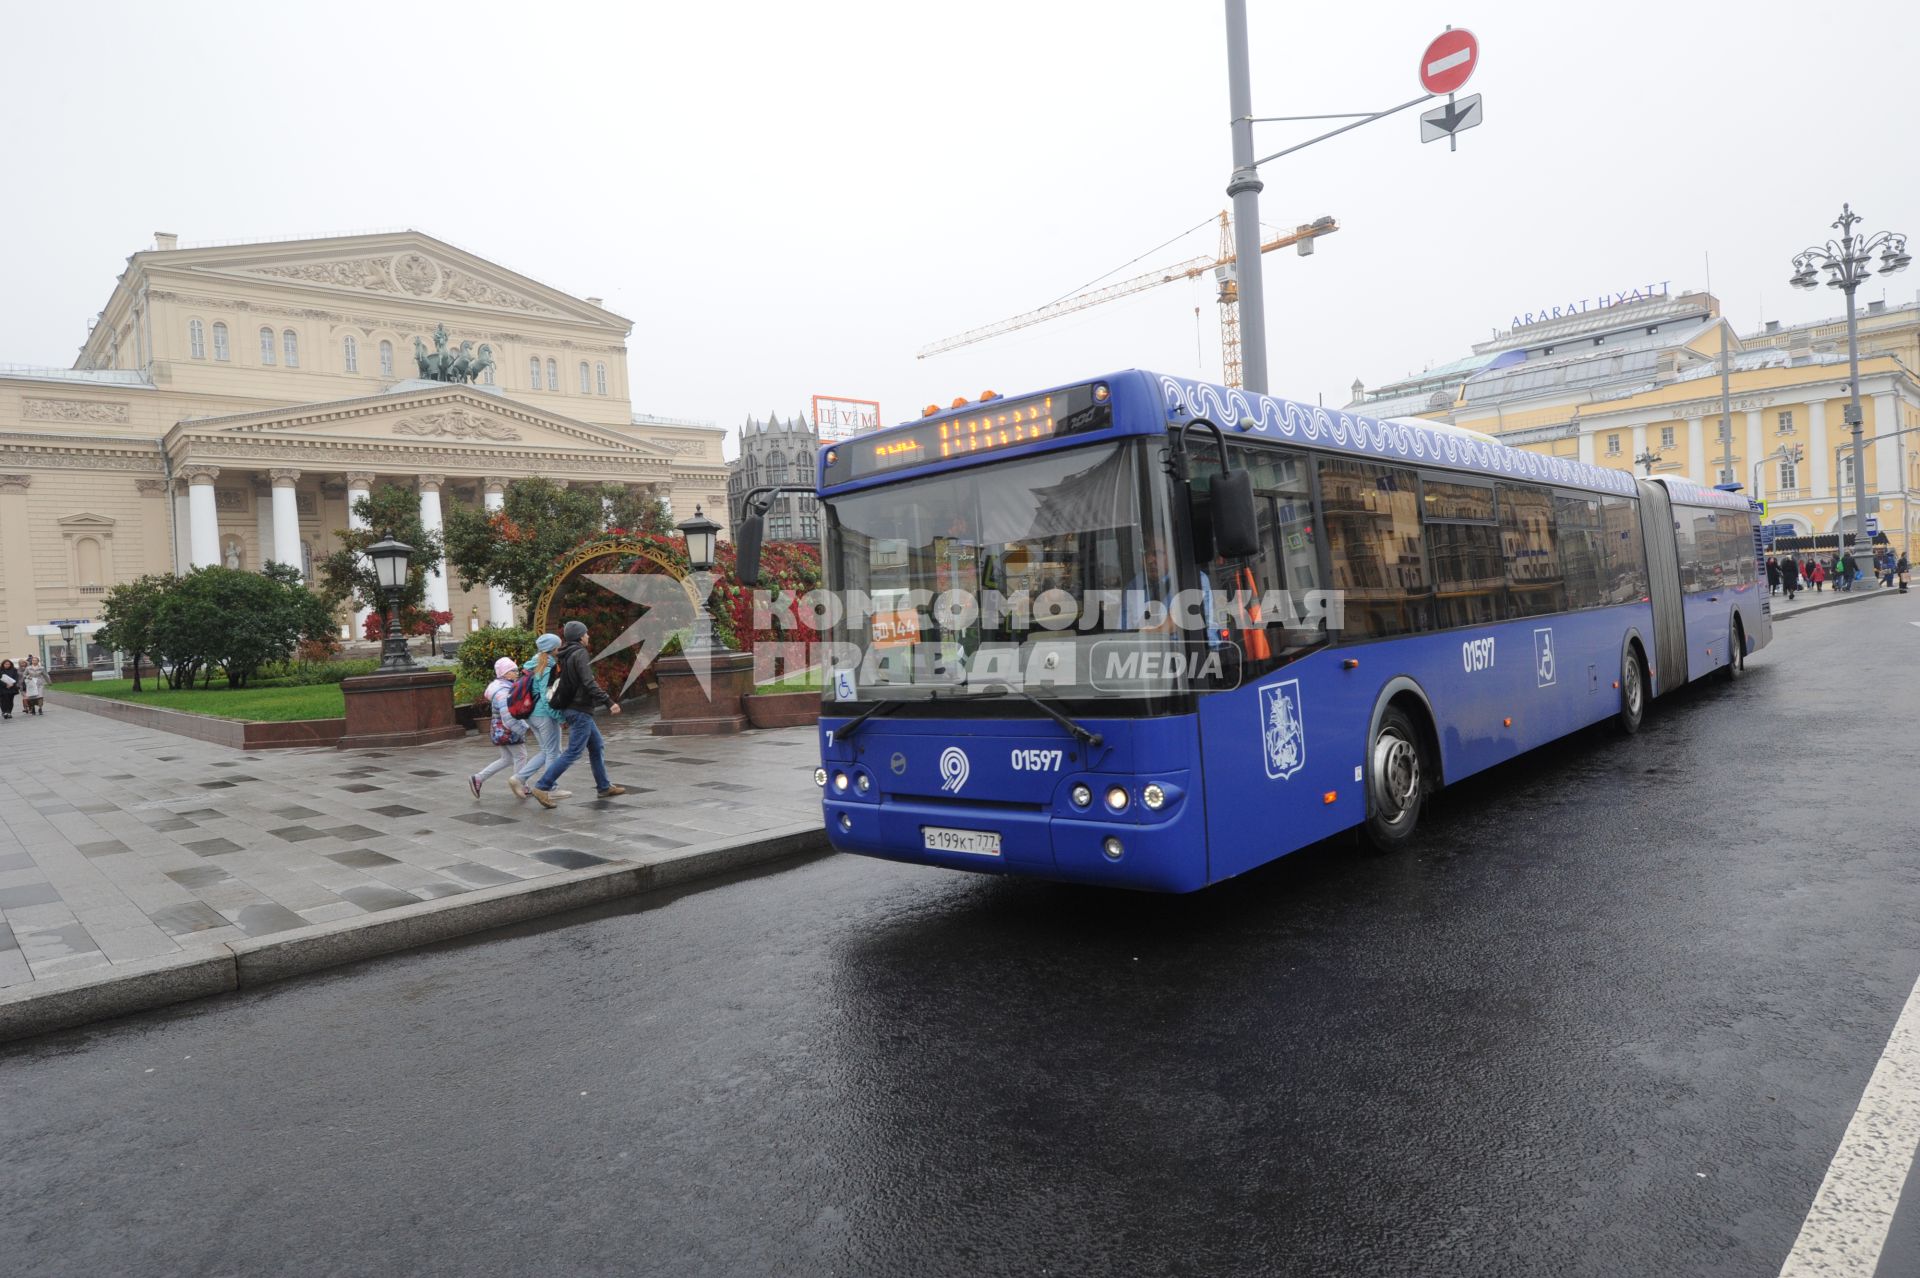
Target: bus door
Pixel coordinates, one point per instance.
(1669, 654)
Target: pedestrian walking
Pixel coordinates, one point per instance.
(545, 720)
(503, 728)
(12, 684)
(576, 694)
(34, 676)
(1773, 575)
(1900, 570)
(1817, 574)
(1790, 577)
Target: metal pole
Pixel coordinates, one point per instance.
(1245, 187)
(1726, 406)
(1853, 411)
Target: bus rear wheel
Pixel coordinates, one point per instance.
(1396, 782)
(1633, 692)
(1736, 651)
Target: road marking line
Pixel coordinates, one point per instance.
(1847, 1225)
(1449, 62)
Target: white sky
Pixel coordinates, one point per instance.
(791, 199)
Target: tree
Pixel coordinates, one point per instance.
(346, 575)
(518, 547)
(128, 612)
(236, 621)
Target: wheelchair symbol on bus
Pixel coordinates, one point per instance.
(1283, 730)
(1543, 668)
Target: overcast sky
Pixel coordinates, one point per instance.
(790, 199)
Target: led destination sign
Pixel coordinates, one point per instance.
(982, 428)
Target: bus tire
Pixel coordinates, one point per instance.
(1633, 691)
(1396, 781)
(1736, 651)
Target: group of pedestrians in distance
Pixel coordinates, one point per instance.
(25, 681)
(1789, 576)
(555, 693)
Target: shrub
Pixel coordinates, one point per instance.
(237, 621)
(479, 650)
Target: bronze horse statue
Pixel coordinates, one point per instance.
(460, 364)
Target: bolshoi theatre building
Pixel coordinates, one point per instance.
(231, 401)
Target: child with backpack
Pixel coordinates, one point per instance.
(505, 729)
(545, 720)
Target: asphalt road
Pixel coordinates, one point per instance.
(1611, 1017)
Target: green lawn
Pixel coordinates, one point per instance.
(805, 681)
(314, 701)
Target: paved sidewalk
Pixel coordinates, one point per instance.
(1807, 599)
(121, 844)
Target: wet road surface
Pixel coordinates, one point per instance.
(1611, 1017)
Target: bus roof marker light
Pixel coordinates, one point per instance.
(1101, 393)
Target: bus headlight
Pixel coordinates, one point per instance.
(820, 777)
(1081, 794)
(1154, 797)
(863, 783)
(840, 782)
(1117, 799)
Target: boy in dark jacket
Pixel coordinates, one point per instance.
(576, 694)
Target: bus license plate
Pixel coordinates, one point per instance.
(977, 842)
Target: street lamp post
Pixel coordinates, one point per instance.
(67, 629)
(1846, 264)
(390, 561)
(1785, 453)
(1647, 460)
(701, 534)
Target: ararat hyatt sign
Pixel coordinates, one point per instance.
(1643, 293)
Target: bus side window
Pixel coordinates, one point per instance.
(1376, 547)
(1623, 561)
(1582, 554)
(1535, 583)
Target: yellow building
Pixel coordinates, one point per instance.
(1637, 386)
(231, 401)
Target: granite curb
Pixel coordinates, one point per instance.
(1844, 597)
(57, 1003)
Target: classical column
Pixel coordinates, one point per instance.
(1639, 448)
(1819, 451)
(203, 517)
(18, 601)
(263, 522)
(1584, 443)
(1696, 450)
(153, 524)
(182, 521)
(499, 602)
(1886, 462)
(286, 517)
(359, 485)
(1756, 449)
(430, 520)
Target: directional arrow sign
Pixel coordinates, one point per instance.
(1454, 117)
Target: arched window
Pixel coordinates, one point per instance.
(350, 351)
(87, 553)
(1846, 473)
(553, 375)
(266, 346)
(293, 348)
(586, 386)
(486, 375)
(220, 351)
(386, 358)
(600, 378)
(533, 371)
(776, 468)
(197, 338)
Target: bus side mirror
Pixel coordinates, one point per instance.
(746, 547)
(1236, 532)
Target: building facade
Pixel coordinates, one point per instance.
(231, 402)
(777, 452)
(1638, 387)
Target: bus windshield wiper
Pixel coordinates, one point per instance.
(1093, 740)
(842, 733)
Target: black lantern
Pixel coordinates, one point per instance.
(701, 533)
(390, 563)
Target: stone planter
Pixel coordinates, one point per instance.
(782, 709)
(687, 710)
(401, 708)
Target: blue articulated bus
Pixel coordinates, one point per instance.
(1430, 603)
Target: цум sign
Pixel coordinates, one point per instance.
(837, 419)
(1600, 303)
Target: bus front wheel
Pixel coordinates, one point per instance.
(1736, 651)
(1396, 781)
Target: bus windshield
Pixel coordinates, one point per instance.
(1052, 574)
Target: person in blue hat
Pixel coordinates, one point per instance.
(545, 720)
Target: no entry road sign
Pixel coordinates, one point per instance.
(1448, 61)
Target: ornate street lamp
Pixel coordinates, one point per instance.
(701, 534)
(390, 561)
(1847, 264)
(1647, 460)
(67, 629)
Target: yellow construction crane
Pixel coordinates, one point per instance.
(1221, 264)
